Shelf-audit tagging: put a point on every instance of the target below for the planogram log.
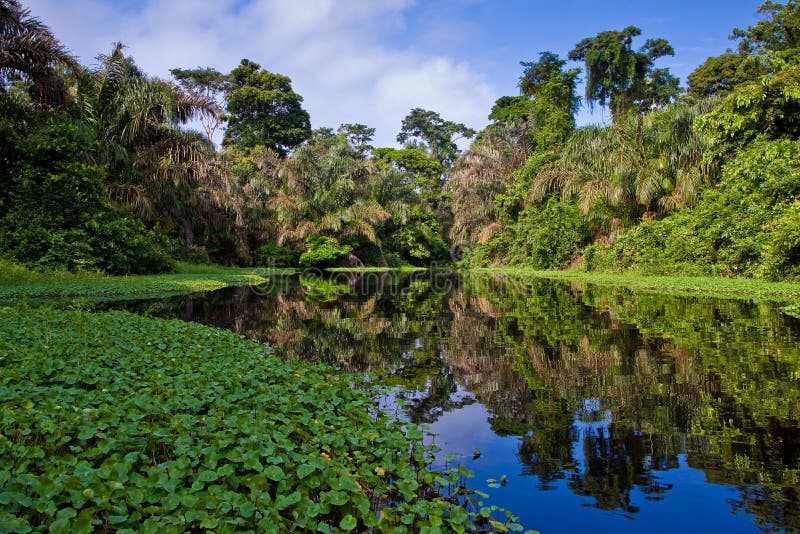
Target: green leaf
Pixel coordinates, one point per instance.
(59, 526)
(348, 523)
(283, 502)
(274, 473)
(207, 476)
(83, 524)
(305, 469)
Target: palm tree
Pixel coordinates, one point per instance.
(155, 168)
(632, 169)
(597, 164)
(127, 109)
(29, 52)
(675, 157)
(482, 173)
(328, 191)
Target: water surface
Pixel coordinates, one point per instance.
(598, 408)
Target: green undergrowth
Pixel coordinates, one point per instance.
(19, 283)
(116, 422)
(734, 288)
(13, 273)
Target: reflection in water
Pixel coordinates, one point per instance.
(614, 398)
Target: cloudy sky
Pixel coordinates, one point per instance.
(371, 61)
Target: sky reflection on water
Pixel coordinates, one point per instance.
(605, 409)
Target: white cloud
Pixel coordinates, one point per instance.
(339, 53)
(453, 89)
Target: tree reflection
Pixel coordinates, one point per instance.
(605, 388)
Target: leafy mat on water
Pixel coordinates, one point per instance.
(115, 421)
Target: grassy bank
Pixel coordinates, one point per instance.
(16, 282)
(113, 421)
(736, 288)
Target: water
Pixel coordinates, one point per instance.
(604, 409)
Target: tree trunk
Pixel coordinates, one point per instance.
(188, 233)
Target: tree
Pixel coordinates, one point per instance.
(29, 52)
(718, 75)
(438, 136)
(210, 83)
(358, 135)
(624, 78)
(511, 109)
(779, 31)
(555, 102)
(481, 175)
(632, 167)
(425, 169)
(264, 110)
(56, 214)
(769, 107)
(776, 35)
(327, 191)
(155, 169)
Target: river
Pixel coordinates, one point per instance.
(577, 407)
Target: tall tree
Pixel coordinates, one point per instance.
(326, 192)
(776, 34)
(425, 170)
(210, 83)
(358, 135)
(623, 78)
(154, 168)
(555, 101)
(481, 175)
(778, 31)
(438, 136)
(29, 52)
(264, 110)
(632, 167)
(718, 75)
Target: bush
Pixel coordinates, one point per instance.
(741, 227)
(57, 213)
(549, 236)
(322, 251)
(273, 255)
(782, 251)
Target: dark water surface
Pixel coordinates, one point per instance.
(600, 408)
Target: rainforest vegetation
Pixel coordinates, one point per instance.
(117, 422)
(102, 170)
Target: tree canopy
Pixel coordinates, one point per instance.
(31, 53)
(264, 110)
(437, 135)
(210, 83)
(622, 77)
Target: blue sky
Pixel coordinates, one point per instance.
(371, 61)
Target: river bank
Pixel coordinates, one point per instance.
(707, 286)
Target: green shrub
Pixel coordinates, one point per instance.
(273, 255)
(322, 251)
(394, 260)
(550, 235)
(782, 251)
(742, 226)
(57, 214)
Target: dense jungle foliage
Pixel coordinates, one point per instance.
(101, 170)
